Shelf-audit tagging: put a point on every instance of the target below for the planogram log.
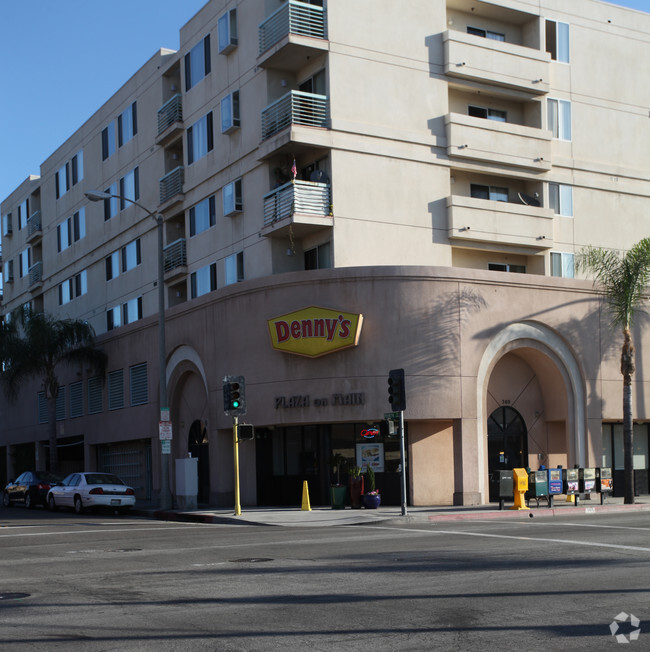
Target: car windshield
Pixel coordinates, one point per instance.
(102, 478)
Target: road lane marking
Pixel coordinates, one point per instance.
(593, 544)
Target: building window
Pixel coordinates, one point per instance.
(95, 395)
(486, 33)
(74, 287)
(132, 310)
(227, 31)
(111, 205)
(60, 403)
(557, 40)
(200, 139)
(71, 230)
(202, 216)
(69, 174)
(562, 264)
(9, 271)
(197, 63)
(487, 114)
(25, 261)
(76, 399)
(494, 193)
(506, 267)
(116, 389)
(62, 180)
(230, 113)
(108, 140)
(138, 384)
(7, 224)
(23, 214)
(319, 257)
(112, 265)
(131, 255)
(77, 168)
(560, 199)
(129, 188)
(42, 408)
(127, 125)
(232, 197)
(204, 280)
(235, 268)
(559, 118)
(113, 318)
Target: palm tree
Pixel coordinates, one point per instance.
(623, 279)
(36, 345)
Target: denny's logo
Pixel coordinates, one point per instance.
(315, 331)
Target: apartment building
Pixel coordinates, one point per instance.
(347, 188)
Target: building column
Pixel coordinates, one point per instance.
(466, 463)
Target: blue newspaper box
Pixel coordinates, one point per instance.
(555, 485)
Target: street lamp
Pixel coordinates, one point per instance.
(165, 500)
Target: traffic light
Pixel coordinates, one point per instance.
(396, 391)
(234, 396)
(245, 432)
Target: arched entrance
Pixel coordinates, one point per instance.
(507, 443)
(197, 446)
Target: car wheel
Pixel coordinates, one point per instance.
(51, 504)
(78, 505)
(28, 501)
(5, 499)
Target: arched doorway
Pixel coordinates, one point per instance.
(197, 446)
(507, 443)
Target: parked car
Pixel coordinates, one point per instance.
(29, 488)
(89, 490)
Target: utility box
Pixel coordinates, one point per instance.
(587, 480)
(537, 485)
(604, 482)
(572, 483)
(187, 482)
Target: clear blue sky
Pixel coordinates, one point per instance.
(54, 79)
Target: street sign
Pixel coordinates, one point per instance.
(164, 414)
(166, 446)
(165, 430)
(391, 415)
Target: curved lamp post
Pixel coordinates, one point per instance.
(165, 499)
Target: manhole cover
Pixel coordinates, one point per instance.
(13, 596)
(250, 560)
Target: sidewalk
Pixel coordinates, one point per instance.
(325, 516)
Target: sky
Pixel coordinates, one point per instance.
(63, 59)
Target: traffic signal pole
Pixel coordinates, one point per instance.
(402, 455)
(235, 441)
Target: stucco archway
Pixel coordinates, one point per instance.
(541, 339)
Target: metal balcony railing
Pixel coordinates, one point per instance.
(36, 273)
(172, 184)
(175, 255)
(171, 111)
(296, 108)
(292, 18)
(34, 224)
(304, 197)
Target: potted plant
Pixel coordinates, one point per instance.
(355, 485)
(338, 491)
(372, 497)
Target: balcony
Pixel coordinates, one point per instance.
(35, 276)
(175, 260)
(513, 226)
(295, 108)
(34, 227)
(171, 187)
(291, 35)
(482, 60)
(170, 121)
(480, 140)
(302, 206)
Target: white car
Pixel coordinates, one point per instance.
(91, 489)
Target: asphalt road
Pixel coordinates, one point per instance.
(100, 582)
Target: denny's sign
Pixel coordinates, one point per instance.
(315, 331)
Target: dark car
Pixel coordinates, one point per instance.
(29, 488)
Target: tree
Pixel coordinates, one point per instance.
(36, 345)
(623, 279)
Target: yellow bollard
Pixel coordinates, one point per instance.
(305, 497)
(570, 498)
